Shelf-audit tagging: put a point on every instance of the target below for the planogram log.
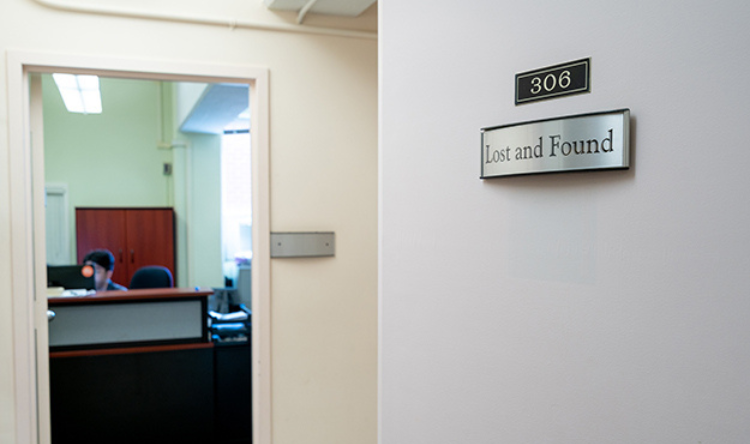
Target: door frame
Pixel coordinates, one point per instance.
(27, 249)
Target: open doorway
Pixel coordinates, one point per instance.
(150, 152)
(28, 227)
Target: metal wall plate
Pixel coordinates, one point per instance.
(595, 141)
(305, 244)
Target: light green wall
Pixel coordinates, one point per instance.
(108, 159)
(114, 159)
(204, 196)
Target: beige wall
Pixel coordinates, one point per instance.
(323, 105)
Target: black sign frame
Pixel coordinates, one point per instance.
(554, 81)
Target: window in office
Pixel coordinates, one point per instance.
(236, 214)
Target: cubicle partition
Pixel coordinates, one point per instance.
(119, 319)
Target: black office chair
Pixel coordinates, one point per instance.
(152, 276)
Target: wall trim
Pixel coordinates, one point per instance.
(179, 17)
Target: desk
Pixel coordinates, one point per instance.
(116, 377)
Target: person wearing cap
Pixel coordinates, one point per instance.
(104, 265)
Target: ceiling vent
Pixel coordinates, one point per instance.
(348, 8)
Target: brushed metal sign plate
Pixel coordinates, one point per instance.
(573, 143)
(303, 244)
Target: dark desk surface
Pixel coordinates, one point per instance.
(131, 296)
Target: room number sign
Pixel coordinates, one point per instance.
(553, 81)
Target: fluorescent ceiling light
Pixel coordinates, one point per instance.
(80, 93)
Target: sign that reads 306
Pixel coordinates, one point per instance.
(553, 81)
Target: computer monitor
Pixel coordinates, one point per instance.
(70, 277)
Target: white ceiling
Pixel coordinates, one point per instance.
(349, 8)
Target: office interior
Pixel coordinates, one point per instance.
(586, 307)
(156, 144)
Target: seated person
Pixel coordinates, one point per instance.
(104, 265)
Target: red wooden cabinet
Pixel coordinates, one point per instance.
(136, 236)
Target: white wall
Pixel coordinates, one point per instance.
(323, 101)
(600, 307)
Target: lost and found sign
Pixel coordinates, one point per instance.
(573, 143)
